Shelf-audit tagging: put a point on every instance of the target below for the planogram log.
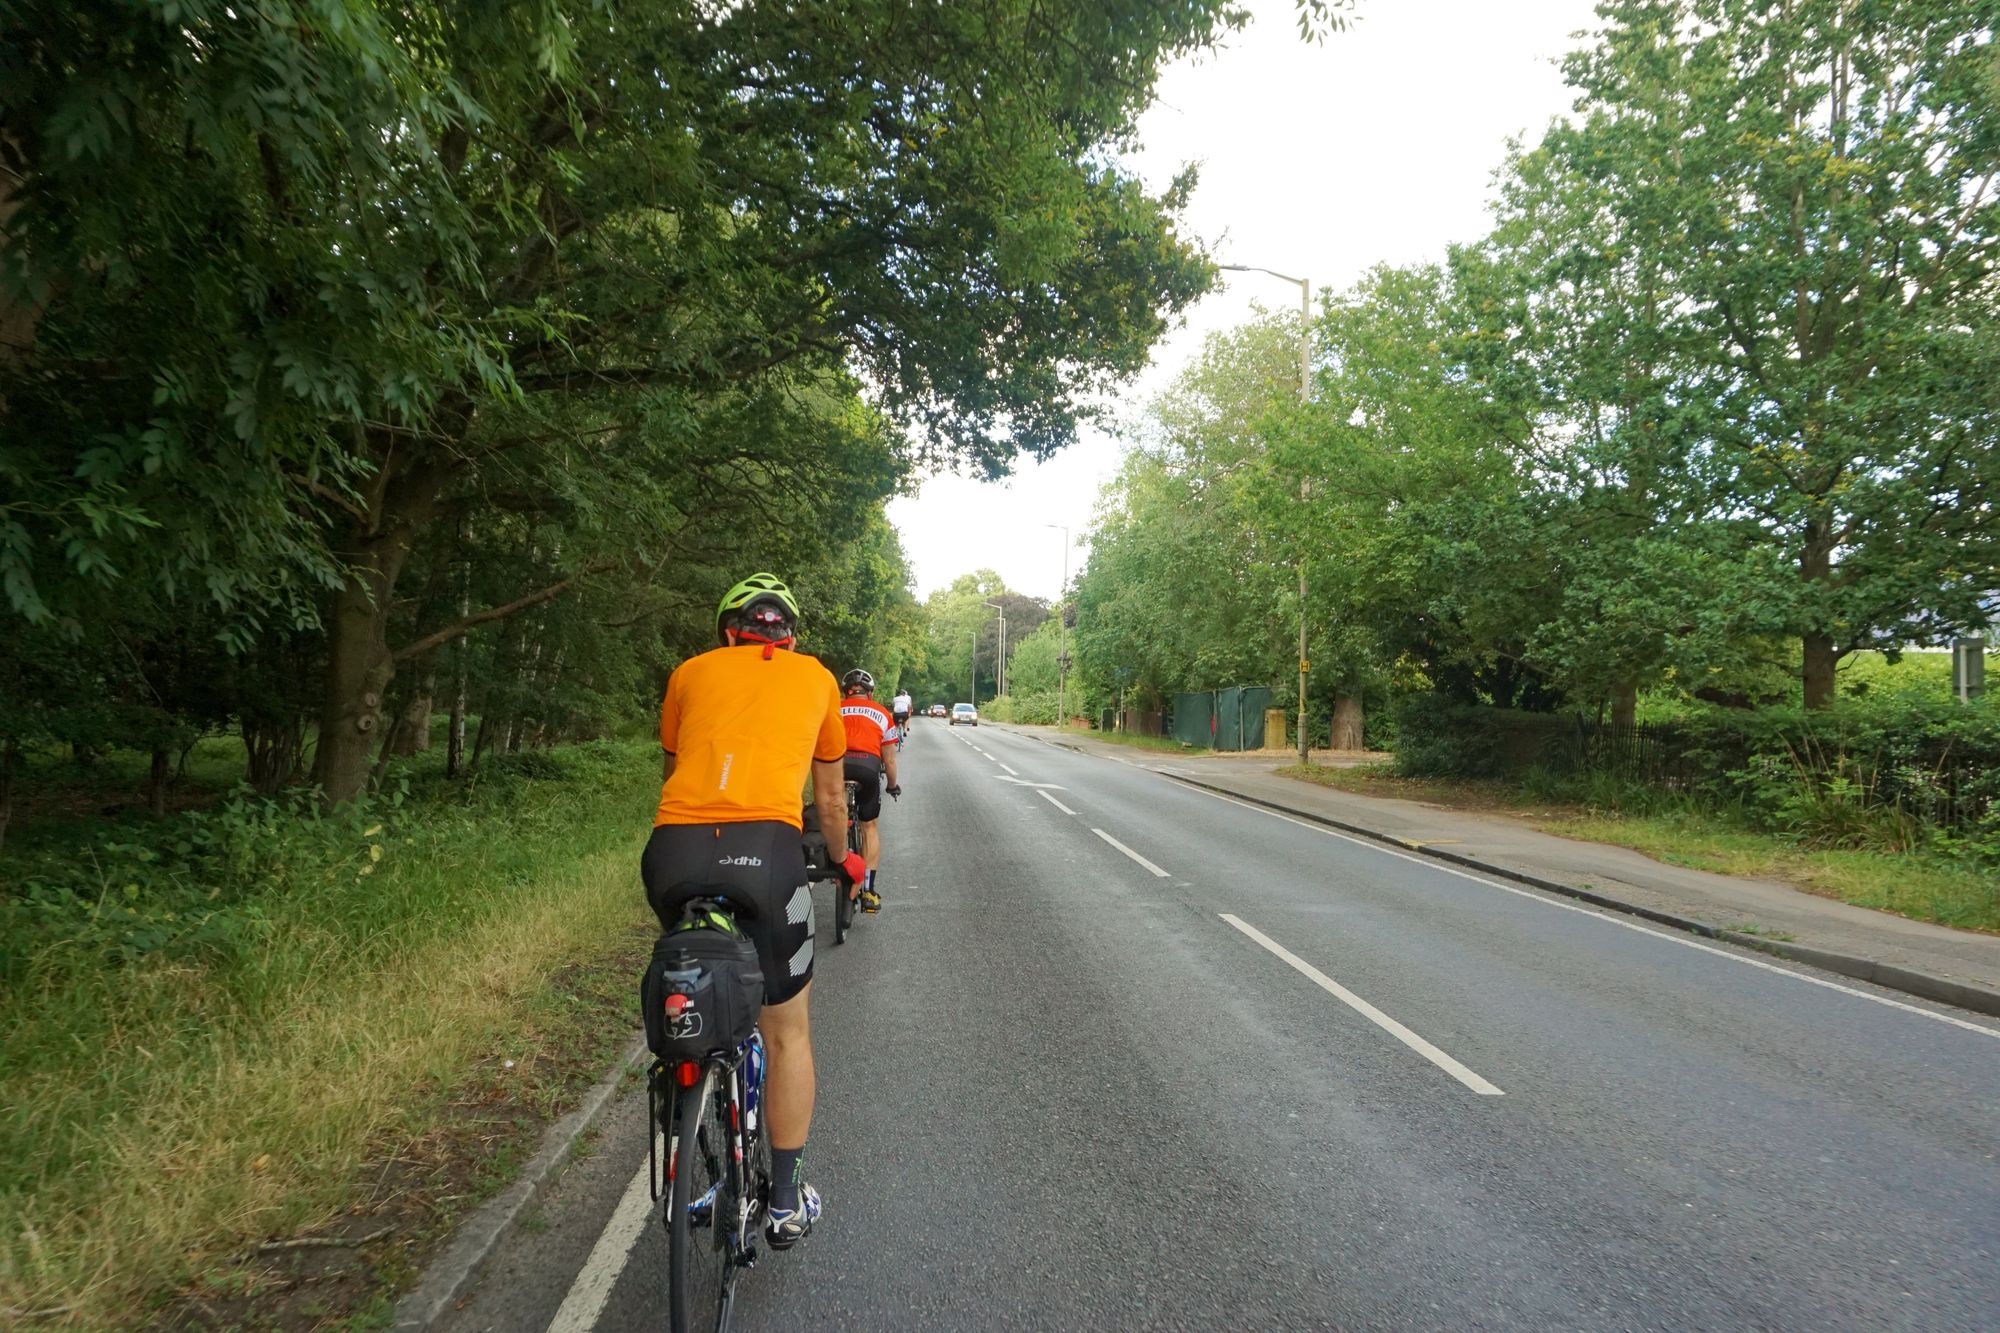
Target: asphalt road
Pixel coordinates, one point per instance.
(1118, 1053)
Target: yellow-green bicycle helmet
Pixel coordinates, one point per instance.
(751, 591)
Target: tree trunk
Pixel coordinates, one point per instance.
(454, 746)
(1820, 657)
(359, 665)
(461, 651)
(1820, 653)
(358, 670)
(272, 751)
(156, 780)
(1624, 704)
(10, 753)
(1347, 720)
(413, 728)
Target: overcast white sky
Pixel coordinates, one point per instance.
(1377, 146)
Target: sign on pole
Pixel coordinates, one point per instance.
(1968, 669)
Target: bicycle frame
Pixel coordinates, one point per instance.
(738, 1075)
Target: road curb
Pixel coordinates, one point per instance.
(475, 1239)
(1889, 976)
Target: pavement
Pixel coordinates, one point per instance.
(1123, 1053)
(1870, 944)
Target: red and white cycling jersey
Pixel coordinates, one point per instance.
(869, 726)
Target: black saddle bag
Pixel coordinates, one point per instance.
(701, 993)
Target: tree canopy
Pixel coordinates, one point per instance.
(334, 332)
(1717, 388)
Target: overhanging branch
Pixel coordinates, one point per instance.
(444, 636)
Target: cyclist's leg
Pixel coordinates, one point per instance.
(865, 771)
(782, 926)
(789, 1084)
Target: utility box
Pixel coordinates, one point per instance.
(1968, 669)
(1274, 729)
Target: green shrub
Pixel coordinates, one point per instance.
(1038, 709)
(1890, 771)
(1439, 739)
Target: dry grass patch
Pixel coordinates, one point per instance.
(166, 1115)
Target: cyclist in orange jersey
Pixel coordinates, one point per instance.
(742, 725)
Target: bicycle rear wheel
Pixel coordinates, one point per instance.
(843, 905)
(701, 1208)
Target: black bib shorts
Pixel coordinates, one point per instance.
(760, 866)
(865, 770)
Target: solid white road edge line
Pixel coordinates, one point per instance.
(1054, 802)
(1367, 1010)
(1129, 852)
(592, 1288)
(1609, 918)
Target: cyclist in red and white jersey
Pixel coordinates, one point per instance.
(872, 737)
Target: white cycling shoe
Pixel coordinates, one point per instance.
(786, 1227)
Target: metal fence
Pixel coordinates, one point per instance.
(1225, 719)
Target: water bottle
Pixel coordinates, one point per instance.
(753, 1080)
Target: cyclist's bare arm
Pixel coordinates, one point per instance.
(889, 763)
(830, 799)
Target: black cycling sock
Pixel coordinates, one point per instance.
(785, 1177)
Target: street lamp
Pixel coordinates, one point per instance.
(1305, 396)
(1062, 632)
(1000, 660)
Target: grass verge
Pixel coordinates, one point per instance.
(1166, 744)
(160, 1116)
(1908, 884)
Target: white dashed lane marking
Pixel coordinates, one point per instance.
(1611, 919)
(1129, 852)
(1367, 1010)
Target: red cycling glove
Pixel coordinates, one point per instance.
(853, 868)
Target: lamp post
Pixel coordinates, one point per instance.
(972, 684)
(1062, 633)
(1305, 396)
(1000, 659)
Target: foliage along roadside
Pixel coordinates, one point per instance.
(175, 1102)
(1704, 413)
(336, 333)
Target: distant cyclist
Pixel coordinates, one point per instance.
(871, 753)
(901, 708)
(741, 725)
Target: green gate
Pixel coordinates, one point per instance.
(1229, 719)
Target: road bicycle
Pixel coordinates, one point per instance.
(717, 1186)
(843, 900)
(821, 859)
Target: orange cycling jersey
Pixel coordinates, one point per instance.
(743, 729)
(869, 726)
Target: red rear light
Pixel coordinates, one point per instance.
(688, 1074)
